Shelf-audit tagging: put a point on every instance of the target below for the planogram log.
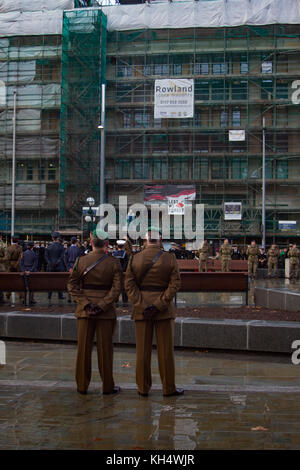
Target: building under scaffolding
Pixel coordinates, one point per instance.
(244, 69)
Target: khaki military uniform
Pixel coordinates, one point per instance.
(252, 253)
(128, 247)
(158, 288)
(225, 253)
(102, 285)
(3, 268)
(272, 255)
(14, 254)
(203, 258)
(293, 255)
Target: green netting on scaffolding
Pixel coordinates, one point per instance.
(83, 72)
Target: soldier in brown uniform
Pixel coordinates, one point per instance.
(2, 263)
(14, 254)
(273, 255)
(151, 282)
(95, 284)
(252, 253)
(203, 256)
(294, 255)
(225, 253)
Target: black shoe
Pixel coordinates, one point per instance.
(69, 300)
(178, 391)
(32, 302)
(113, 392)
(143, 394)
(82, 392)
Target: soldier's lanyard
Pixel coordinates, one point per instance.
(147, 269)
(92, 266)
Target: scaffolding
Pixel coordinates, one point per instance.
(83, 72)
(31, 66)
(241, 74)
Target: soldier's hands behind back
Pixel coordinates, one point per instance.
(93, 310)
(150, 312)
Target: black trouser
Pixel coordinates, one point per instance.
(60, 294)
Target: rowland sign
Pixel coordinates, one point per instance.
(174, 98)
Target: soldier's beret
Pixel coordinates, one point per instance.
(153, 231)
(98, 233)
(30, 243)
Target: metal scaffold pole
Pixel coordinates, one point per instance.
(264, 185)
(102, 148)
(13, 171)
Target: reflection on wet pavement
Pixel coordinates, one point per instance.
(40, 409)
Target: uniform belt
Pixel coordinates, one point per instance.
(153, 288)
(96, 287)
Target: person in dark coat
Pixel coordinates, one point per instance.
(121, 254)
(71, 255)
(29, 264)
(54, 255)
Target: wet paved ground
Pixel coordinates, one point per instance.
(232, 401)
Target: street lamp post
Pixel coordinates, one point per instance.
(101, 126)
(89, 218)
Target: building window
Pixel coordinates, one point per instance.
(160, 143)
(160, 67)
(29, 171)
(201, 143)
(239, 169)
(201, 90)
(200, 169)
(266, 89)
(185, 122)
(160, 169)
(197, 119)
(42, 170)
(269, 168)
(177, 64)
(157, 123)
(147, 69)
(219, 66)
(180, 169)
(124, 68)
(224, 118)
(123, 92)
(122, 169)
(126, 118)
(282, 143)
(51, 171)
(239, 90)
(282, 90)
(219, 90)
(282, 169)
(244, 66)
(236, 118)
(141, 119)
(20, 168)
(219, 169)
(201, 66)
(141, 169)
(267, 66)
